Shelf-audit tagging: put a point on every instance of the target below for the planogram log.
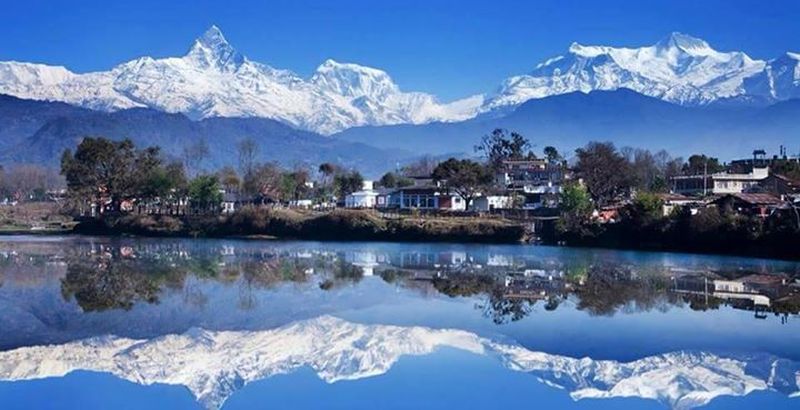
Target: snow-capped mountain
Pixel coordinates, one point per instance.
(679, 69)
(780, 80)
(213, 365)
(215, 80)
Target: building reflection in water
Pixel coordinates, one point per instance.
(105, 274)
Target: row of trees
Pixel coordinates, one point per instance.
(106, 173)
(28, 182)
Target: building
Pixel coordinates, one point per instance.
(761, 205)
(538, 181)
(718, 183)
(367, 197)
(491, 202)
(671, 202)
(427, 198)
(781, 186)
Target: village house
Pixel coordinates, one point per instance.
(781, 186)
(718, 183)
(367, 197)
(538, 181)
(671, 202)
(489, 203)
(761, 205)
(426, 198)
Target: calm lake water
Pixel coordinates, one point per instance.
(177, 323)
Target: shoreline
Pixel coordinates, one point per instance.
(267, 237)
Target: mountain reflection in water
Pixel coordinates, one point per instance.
(213, 365)
(145, 309)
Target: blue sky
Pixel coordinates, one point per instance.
(448, 47)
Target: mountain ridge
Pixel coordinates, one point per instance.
(213, 79)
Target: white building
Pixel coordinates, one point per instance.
(491, 202)
(718, 183)
(366, 198)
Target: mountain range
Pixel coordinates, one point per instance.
(213, 365)
(213, 79)
(679, 94)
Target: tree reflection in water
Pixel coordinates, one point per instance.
(505, 288)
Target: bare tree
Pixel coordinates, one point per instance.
(195, 154)
(248, 151)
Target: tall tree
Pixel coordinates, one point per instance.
(204, 193)
(265, 180)
(500, 146)
(195, 154)
(552, 154)
(421, 167)
(465, 177)
(248, 151)
(295, 184)
(605, 171)
(348, 182)
(575, 206)
(700, 164)
(229, 179)
(100, 168)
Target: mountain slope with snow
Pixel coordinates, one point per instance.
(213, 365)
(679, 69)
(215, 80)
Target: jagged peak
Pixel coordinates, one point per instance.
(212, 50)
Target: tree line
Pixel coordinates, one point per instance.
(107, 173)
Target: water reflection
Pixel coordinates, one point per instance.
(215, 315)
(213, 365)
(106, 275)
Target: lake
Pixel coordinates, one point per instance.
(127, 323)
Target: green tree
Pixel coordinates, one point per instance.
(101, 168)
(465, 177)
(605, 171)
(645, 209)
(700, 164)
(204, 192)
(388, 180)
(294, 184)
(552, 154)
(575, 206)
(348, 182)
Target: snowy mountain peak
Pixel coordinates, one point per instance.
(353, 80)
(212, 50)
(685, 43)
(680, 68)
(587, 51)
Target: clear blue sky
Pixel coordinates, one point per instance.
(452, 48)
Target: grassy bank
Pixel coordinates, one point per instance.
(37, 217)
(340, 224)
